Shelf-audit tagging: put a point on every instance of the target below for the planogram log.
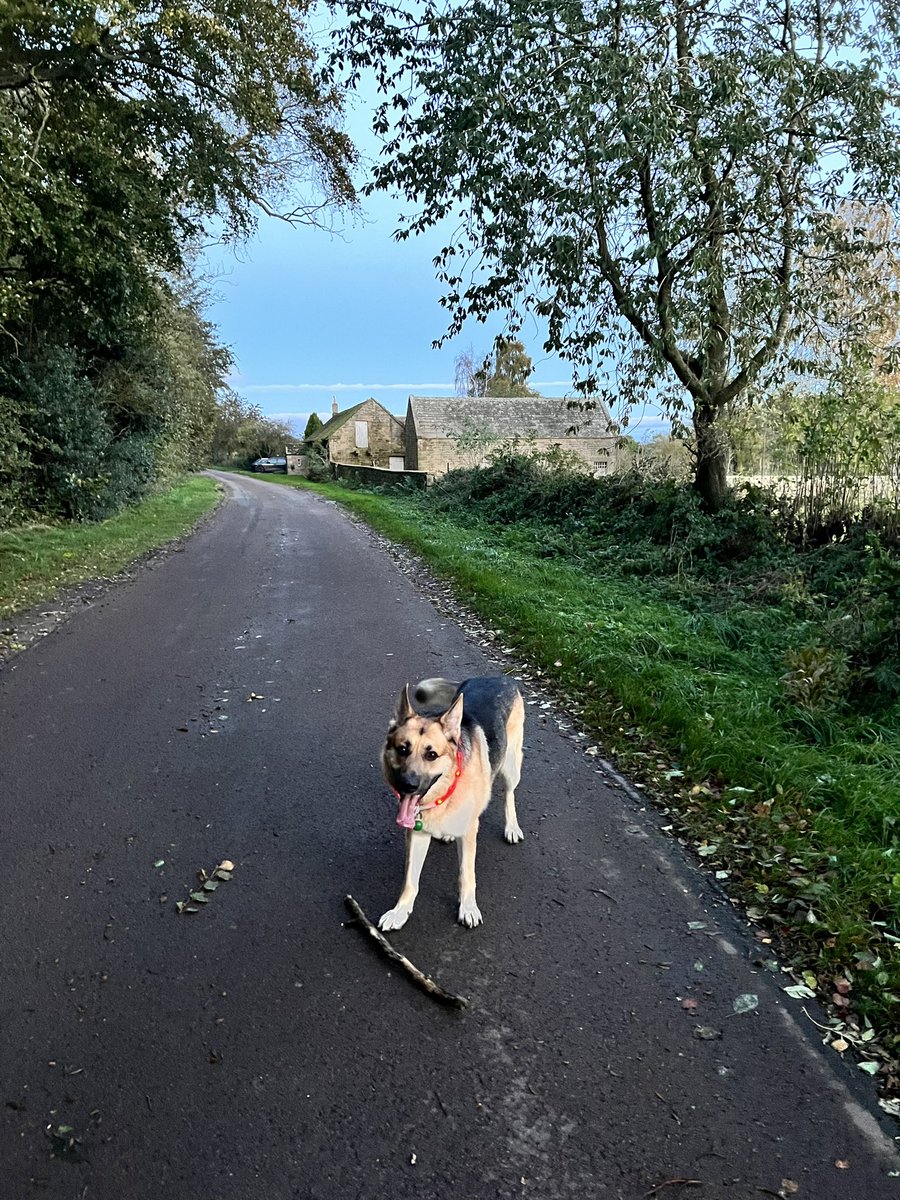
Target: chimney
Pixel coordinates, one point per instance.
(334, 408)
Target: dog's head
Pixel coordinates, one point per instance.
(420, 752)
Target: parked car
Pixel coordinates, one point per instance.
(270, 464)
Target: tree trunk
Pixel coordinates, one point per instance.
(713, 455)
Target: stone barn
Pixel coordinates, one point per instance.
(366, 435)
(460, 431)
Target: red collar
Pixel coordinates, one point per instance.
(450, 790)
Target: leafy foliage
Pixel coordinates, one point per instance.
(149, 118)
(815, 677)
(844, 595)
(662, 457)
(834, 453)
(318, 467)
(313, 424)
(80, 469)
(94, 433)
(475, 443)
(240, 433)
(125, 131)
(831, 436)
(507, 376)
(654, 180)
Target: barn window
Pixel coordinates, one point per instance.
(601, 466)
(362, 435)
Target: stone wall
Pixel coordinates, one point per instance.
(436, 456)
(378, 476)
(597, 454)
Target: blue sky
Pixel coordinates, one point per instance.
(312, 316)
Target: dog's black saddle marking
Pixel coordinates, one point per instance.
(487, 703)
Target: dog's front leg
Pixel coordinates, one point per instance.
(417, 844)
(469, 913)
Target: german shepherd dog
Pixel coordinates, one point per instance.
(440, 759)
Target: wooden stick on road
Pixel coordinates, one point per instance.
(428, 985)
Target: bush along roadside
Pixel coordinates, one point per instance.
(39, 561)
(748, 681)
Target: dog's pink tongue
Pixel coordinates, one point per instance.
(406, 814)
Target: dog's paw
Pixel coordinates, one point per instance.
(447, 837)
(396, 918)
(513, 833)
(469, 913)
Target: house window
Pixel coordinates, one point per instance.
(395, 464)
(601, 466)
(362, 435)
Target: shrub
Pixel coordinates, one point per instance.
(81, 466)
(846, 588)
(816, 677)
(317, 465)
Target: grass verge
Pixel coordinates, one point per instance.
(37, 561)
(796, 817)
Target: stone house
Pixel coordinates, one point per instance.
(366, 435)
(460, 431)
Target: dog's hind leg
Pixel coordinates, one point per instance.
(511, 770)
(417, 844)
(469, 913)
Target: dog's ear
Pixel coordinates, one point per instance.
(451, 721)
(404, 709)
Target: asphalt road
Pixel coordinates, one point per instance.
(229, 701)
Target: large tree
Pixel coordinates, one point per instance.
(128, 131)
(313, 423)
(654, 178)
(126, 127)
(507, 375)
(241, 433)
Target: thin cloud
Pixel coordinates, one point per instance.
(342, 387)
(372, 387)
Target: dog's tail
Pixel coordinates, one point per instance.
(435, 693)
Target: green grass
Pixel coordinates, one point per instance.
(801, 809)
(36, 562)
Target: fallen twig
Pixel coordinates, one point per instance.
(433, 989)
(672, 1183)
(208, 884)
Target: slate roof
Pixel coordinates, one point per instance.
(507, 417)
